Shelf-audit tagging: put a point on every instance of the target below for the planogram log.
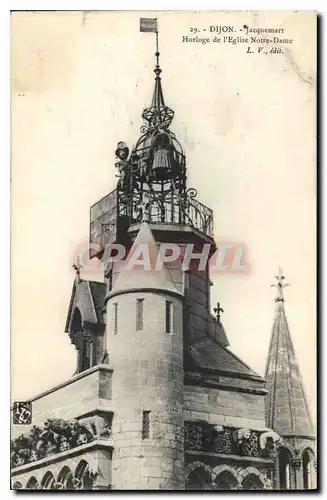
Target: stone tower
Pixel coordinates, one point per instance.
(286, 407)
(149, 314)
(158, 400)
(145, 332)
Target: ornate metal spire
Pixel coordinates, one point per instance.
(158, 113)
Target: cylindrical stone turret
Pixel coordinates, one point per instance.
(145, 343)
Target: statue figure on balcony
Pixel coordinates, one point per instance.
(121, 153)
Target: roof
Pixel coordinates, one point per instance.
(218, 331)
(286, 406)
(135, 277)
(88, 296)
(212, 355)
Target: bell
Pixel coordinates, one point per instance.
(161, 152)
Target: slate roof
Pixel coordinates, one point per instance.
(89, 297)
(286, 406)
(137, 277)
(210, 354)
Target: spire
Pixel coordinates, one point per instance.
(158, 113)
(286, 406)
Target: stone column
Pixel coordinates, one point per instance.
(297, 473)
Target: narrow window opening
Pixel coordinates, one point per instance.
(86, 354)
(115, 318)
(284, 470)
(110, 281)
(146, 425)
(306, 464)
(169, 317)
(139, 314)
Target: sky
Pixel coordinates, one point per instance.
(247, 125)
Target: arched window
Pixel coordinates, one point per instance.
(48, 481)
(308, 470)
(82, 341)
(226, 481)
(83, 478)
(252, 482)
(199, 479)
(32, 484)
(284, 459)
(17, 486)
(65, 479)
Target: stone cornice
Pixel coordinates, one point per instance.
(158, 291)
(231, 458)
(58, 457)
(200, 380)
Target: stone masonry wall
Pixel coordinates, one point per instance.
(224, 407)
(148, 376)
(83, 393)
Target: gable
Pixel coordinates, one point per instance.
(88, 297)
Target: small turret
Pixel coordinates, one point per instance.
(286, 406)
(145, 344)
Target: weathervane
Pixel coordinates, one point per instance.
(280, 285)
(218, 310)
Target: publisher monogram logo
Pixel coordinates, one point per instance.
(22, 413)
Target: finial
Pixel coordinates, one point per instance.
(77, 268)
(280, 285)
(218, 310)
(158, 113)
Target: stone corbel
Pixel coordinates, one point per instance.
(77, 338)
(297, 462)
(269, 444)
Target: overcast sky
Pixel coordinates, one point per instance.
(247, 125)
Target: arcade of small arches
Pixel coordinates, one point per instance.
(200, 476)
(296, 467)
(83, 478)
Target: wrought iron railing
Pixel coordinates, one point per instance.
(172, 208)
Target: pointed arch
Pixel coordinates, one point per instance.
(226, 477)
(289, 447)
(48, 481)
(80, 339)
(199, 476)
(77, 321)
(224, 468)
(251, 479)
(284, 467)
(17, 485)
(82, 478)
(32, 484)
(310, 450)
(308, 468)
(252, 482)
(65, 479)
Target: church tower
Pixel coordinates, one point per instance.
(158, 400)
(286, 407)
(150, 314)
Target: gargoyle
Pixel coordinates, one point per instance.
(241, 435)
(268, 439)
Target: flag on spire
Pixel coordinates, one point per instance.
(148, 25)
